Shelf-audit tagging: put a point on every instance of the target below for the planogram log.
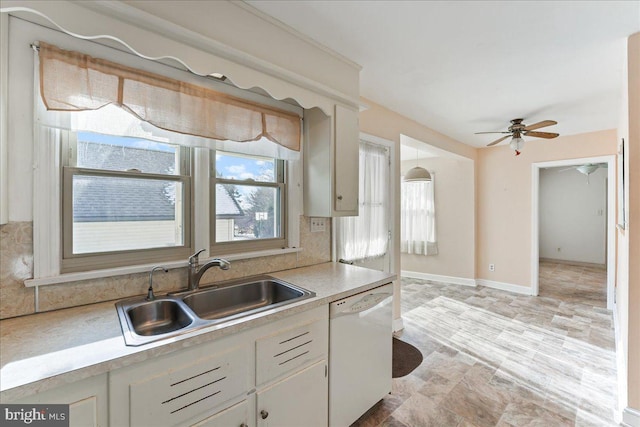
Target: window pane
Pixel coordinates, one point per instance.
(120, 153)
(245, 212)
(236, 166)
(113, 214)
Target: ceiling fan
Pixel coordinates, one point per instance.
(518, 129)
(586, 169)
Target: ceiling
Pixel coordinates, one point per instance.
(461, 67)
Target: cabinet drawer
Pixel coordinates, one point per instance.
(176, 395)
(235, 416)
(290, 349)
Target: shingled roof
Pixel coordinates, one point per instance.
(98, 198)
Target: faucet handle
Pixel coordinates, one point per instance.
(193, 259)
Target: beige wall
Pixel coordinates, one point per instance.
(503, 200)
(455, 220)
(633, 227)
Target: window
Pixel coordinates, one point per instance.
(247, 202)
(123, 194)
(417, 223)
(127, 178)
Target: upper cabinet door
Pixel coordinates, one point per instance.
(331, 161)
(346, 161)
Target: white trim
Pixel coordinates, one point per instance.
(4, 132)
(47, 196)
(510, 287)
(201, 214)
(438, 278)
(631, 417)
(611, 218)
(535, 229)
(260, 14)
(398, 325)
(621, 367)
(145, 268)
(243, 69)
(293, 179)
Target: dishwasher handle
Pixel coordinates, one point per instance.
(357, 305)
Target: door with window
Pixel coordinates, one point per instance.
(365, 240)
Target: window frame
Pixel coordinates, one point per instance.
(70, 262)
(279, 183)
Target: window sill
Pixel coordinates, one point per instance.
(144, 268)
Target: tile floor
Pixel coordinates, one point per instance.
(493, 358)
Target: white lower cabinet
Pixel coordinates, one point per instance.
(280, 368)
(181, 388)
(87, 400)
(298, 400)
(272, 375)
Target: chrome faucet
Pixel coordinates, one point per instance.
(196, 271)
(150, 295)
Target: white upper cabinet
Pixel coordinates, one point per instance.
(331, 162)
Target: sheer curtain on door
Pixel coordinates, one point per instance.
(367, 235)
(418, 218)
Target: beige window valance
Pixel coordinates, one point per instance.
(72, 81)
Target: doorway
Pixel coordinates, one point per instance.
(553, 259)
(367, 240)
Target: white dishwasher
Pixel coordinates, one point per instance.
(360, 343)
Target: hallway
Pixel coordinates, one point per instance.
(493, 358)
(583, 284)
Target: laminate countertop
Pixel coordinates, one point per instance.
(47, 350)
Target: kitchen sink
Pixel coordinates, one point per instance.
(242, 299)
(158, 317)
(144, 321)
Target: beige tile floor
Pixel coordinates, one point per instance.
(493, 358)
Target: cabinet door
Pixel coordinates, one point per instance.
(347, 146)
(87, 400)
(298, 400)
(286, 351)
(179, 388)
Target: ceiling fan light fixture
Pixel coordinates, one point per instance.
(417, 174)
(587, 169)
(516, 144)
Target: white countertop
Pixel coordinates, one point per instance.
(47, 350)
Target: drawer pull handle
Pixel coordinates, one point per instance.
(339, 197)
(264, 414)
(244, 425)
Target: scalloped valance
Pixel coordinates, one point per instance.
(73, 81)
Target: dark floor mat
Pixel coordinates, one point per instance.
(406, 358)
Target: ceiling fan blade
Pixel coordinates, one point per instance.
(498, 140)
(567, 169)
(547, 135)
(479, 133)
(540, 124)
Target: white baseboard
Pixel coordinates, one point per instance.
(631, 417)
(438, 278)
(398, 325)
(510, 287)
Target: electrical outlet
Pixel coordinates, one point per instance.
(318, 225)
(492, 267)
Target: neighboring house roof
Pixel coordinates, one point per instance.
(227, 206)
(99, 198)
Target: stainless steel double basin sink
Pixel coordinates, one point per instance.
(145, 321)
